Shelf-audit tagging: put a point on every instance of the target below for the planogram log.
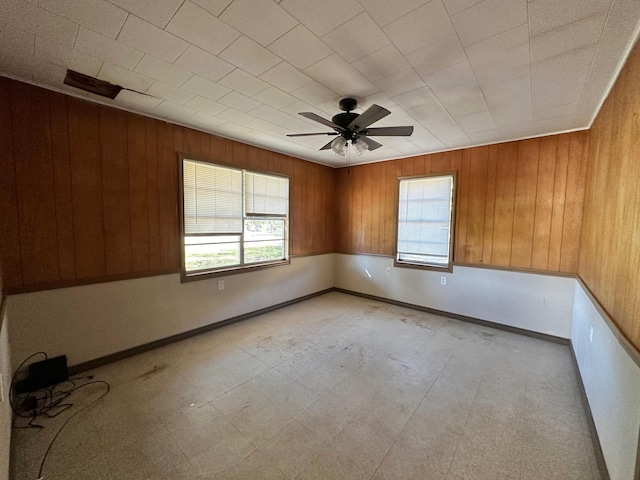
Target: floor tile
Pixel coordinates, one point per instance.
(333, 388)
(407, 462)
(487, 450)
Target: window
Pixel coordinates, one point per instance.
(425, 221)
(232, 218)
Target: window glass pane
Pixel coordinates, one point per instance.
(424, 217)
(264, 251)
(263, 229)
(264, 239)
(205, 252)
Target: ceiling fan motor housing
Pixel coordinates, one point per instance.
(344, 119)
(347, 104)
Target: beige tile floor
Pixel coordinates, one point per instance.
(336, 387)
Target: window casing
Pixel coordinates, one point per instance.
(232, 219)
(426, 206)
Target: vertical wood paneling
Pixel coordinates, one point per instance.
(34, 184)
(510, 202)
(310, 200)
(377, 197)
(10, 231)
(86, 186)
(366, 225)
(342, 211)
(525, 202)
(168, 202)
(138, 193)
(544, 203)
(476, 207)
(115, 191)
(62, 186)
(609, 260)
(462, 204)
(296, 214)
(356, 216)
(576, 172)
(390, 209)
(217, 149)
(490, 204)
(504, 204)
(153, 193)
(559, 195)
(102, 187)
(192, 142)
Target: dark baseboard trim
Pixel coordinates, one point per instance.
(464, 318)
(602, 465)
(114, 357)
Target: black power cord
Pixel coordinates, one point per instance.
(48, 402)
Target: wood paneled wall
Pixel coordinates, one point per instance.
(90, 193)
(610, 251)
(519, 204)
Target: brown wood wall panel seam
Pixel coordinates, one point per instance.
(62, 186)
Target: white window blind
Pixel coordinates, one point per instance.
(424, 219)
(212, 199)
(266, 194)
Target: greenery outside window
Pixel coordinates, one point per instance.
(425, 221)
(232, 219)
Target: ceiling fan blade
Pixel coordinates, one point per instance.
(319, 119)
(390, 131)
(372, 143)
(309, 134)
(327, 146)
(366, 118)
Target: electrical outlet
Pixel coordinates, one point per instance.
(389, 271)
(443, 280)
(590, 333)
(220, 284)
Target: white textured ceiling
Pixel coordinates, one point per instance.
(462, 72)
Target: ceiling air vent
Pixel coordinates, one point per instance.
(91, 84)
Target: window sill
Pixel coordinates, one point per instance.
(419, 266)
(205, 274)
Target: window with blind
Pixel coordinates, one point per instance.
(232, 218)
(425, 221)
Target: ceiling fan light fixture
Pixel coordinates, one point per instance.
(360, 146)
(339, 146)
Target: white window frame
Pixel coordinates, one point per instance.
(399, 261)
(242, 266)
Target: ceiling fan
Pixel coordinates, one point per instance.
(353, 128)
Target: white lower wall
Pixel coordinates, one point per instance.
(612, 383)
(5, 408)
(535, 302)
(91, 321)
